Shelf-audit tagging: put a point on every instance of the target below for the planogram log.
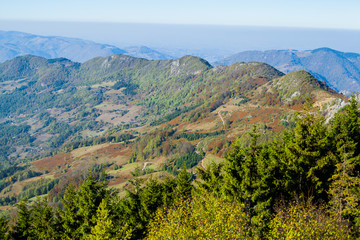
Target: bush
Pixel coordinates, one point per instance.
(306, 221)
(205, 217)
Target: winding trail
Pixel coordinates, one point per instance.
(145, 164)
(202, 163)
(219, 112)
(197, 151)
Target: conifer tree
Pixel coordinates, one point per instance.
(249, 179)
(70, 219)
(80, 207)
(305, 157)
(183, 182)
(140, 205)
(103, 224)
(90, 195)
(23, 228)
(4, 229)
(345, 187)
(104, 228)
(212, 180)
(43, 221)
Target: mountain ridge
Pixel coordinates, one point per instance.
(339, 69)
(14, 43)
(18, 43)
(132, 117)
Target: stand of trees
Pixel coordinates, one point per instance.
(303, 185)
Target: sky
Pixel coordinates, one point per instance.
(276, 13)
(218, 27)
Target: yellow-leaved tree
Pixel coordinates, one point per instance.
(203, 217)
(308, 222)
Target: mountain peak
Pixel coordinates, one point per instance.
(340, 70)
(325, 49)
(299, 83)
(189, 65)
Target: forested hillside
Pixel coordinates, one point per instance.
(302, 185)
(58, 100)
(116, 147)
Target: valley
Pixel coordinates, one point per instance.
(133, 117)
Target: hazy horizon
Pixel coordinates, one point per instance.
(220, 39)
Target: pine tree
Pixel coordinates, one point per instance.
(71, 221)
(345, 187)
(249, 179)
(4, 230)
(43, 221)
(104, 228)
(212, 179)
(306, 158)
(23, 228)
(90, 195)
(183, 182)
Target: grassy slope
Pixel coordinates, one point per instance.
(228, 87)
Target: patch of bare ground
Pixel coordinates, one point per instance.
(43, 137)
(12, 85)
(209, 158)
(50, 163)
(114, 114)
(85, 151)
(207, 124)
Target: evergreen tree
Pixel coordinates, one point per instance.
(140, 205)
(23, 228)
(351, 123)
(183, 184)
(104, 228)
(345, 188)
(80, 207)
(212, 179)
(90, 195)
(4, 229)
(249, 179)
(71, 221)
(43, 221)
(305, 157)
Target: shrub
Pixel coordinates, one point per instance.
(306, 221)
(205, 217)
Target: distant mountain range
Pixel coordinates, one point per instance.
(340, 70)
(14, 44)
(147, 53)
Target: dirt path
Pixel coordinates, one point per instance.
(197, 151)
(221, 118)
(145, 164)
(202, 163)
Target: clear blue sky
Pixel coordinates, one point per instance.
(340, 14)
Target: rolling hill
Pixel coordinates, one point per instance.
(135, 117)
(340, 70)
